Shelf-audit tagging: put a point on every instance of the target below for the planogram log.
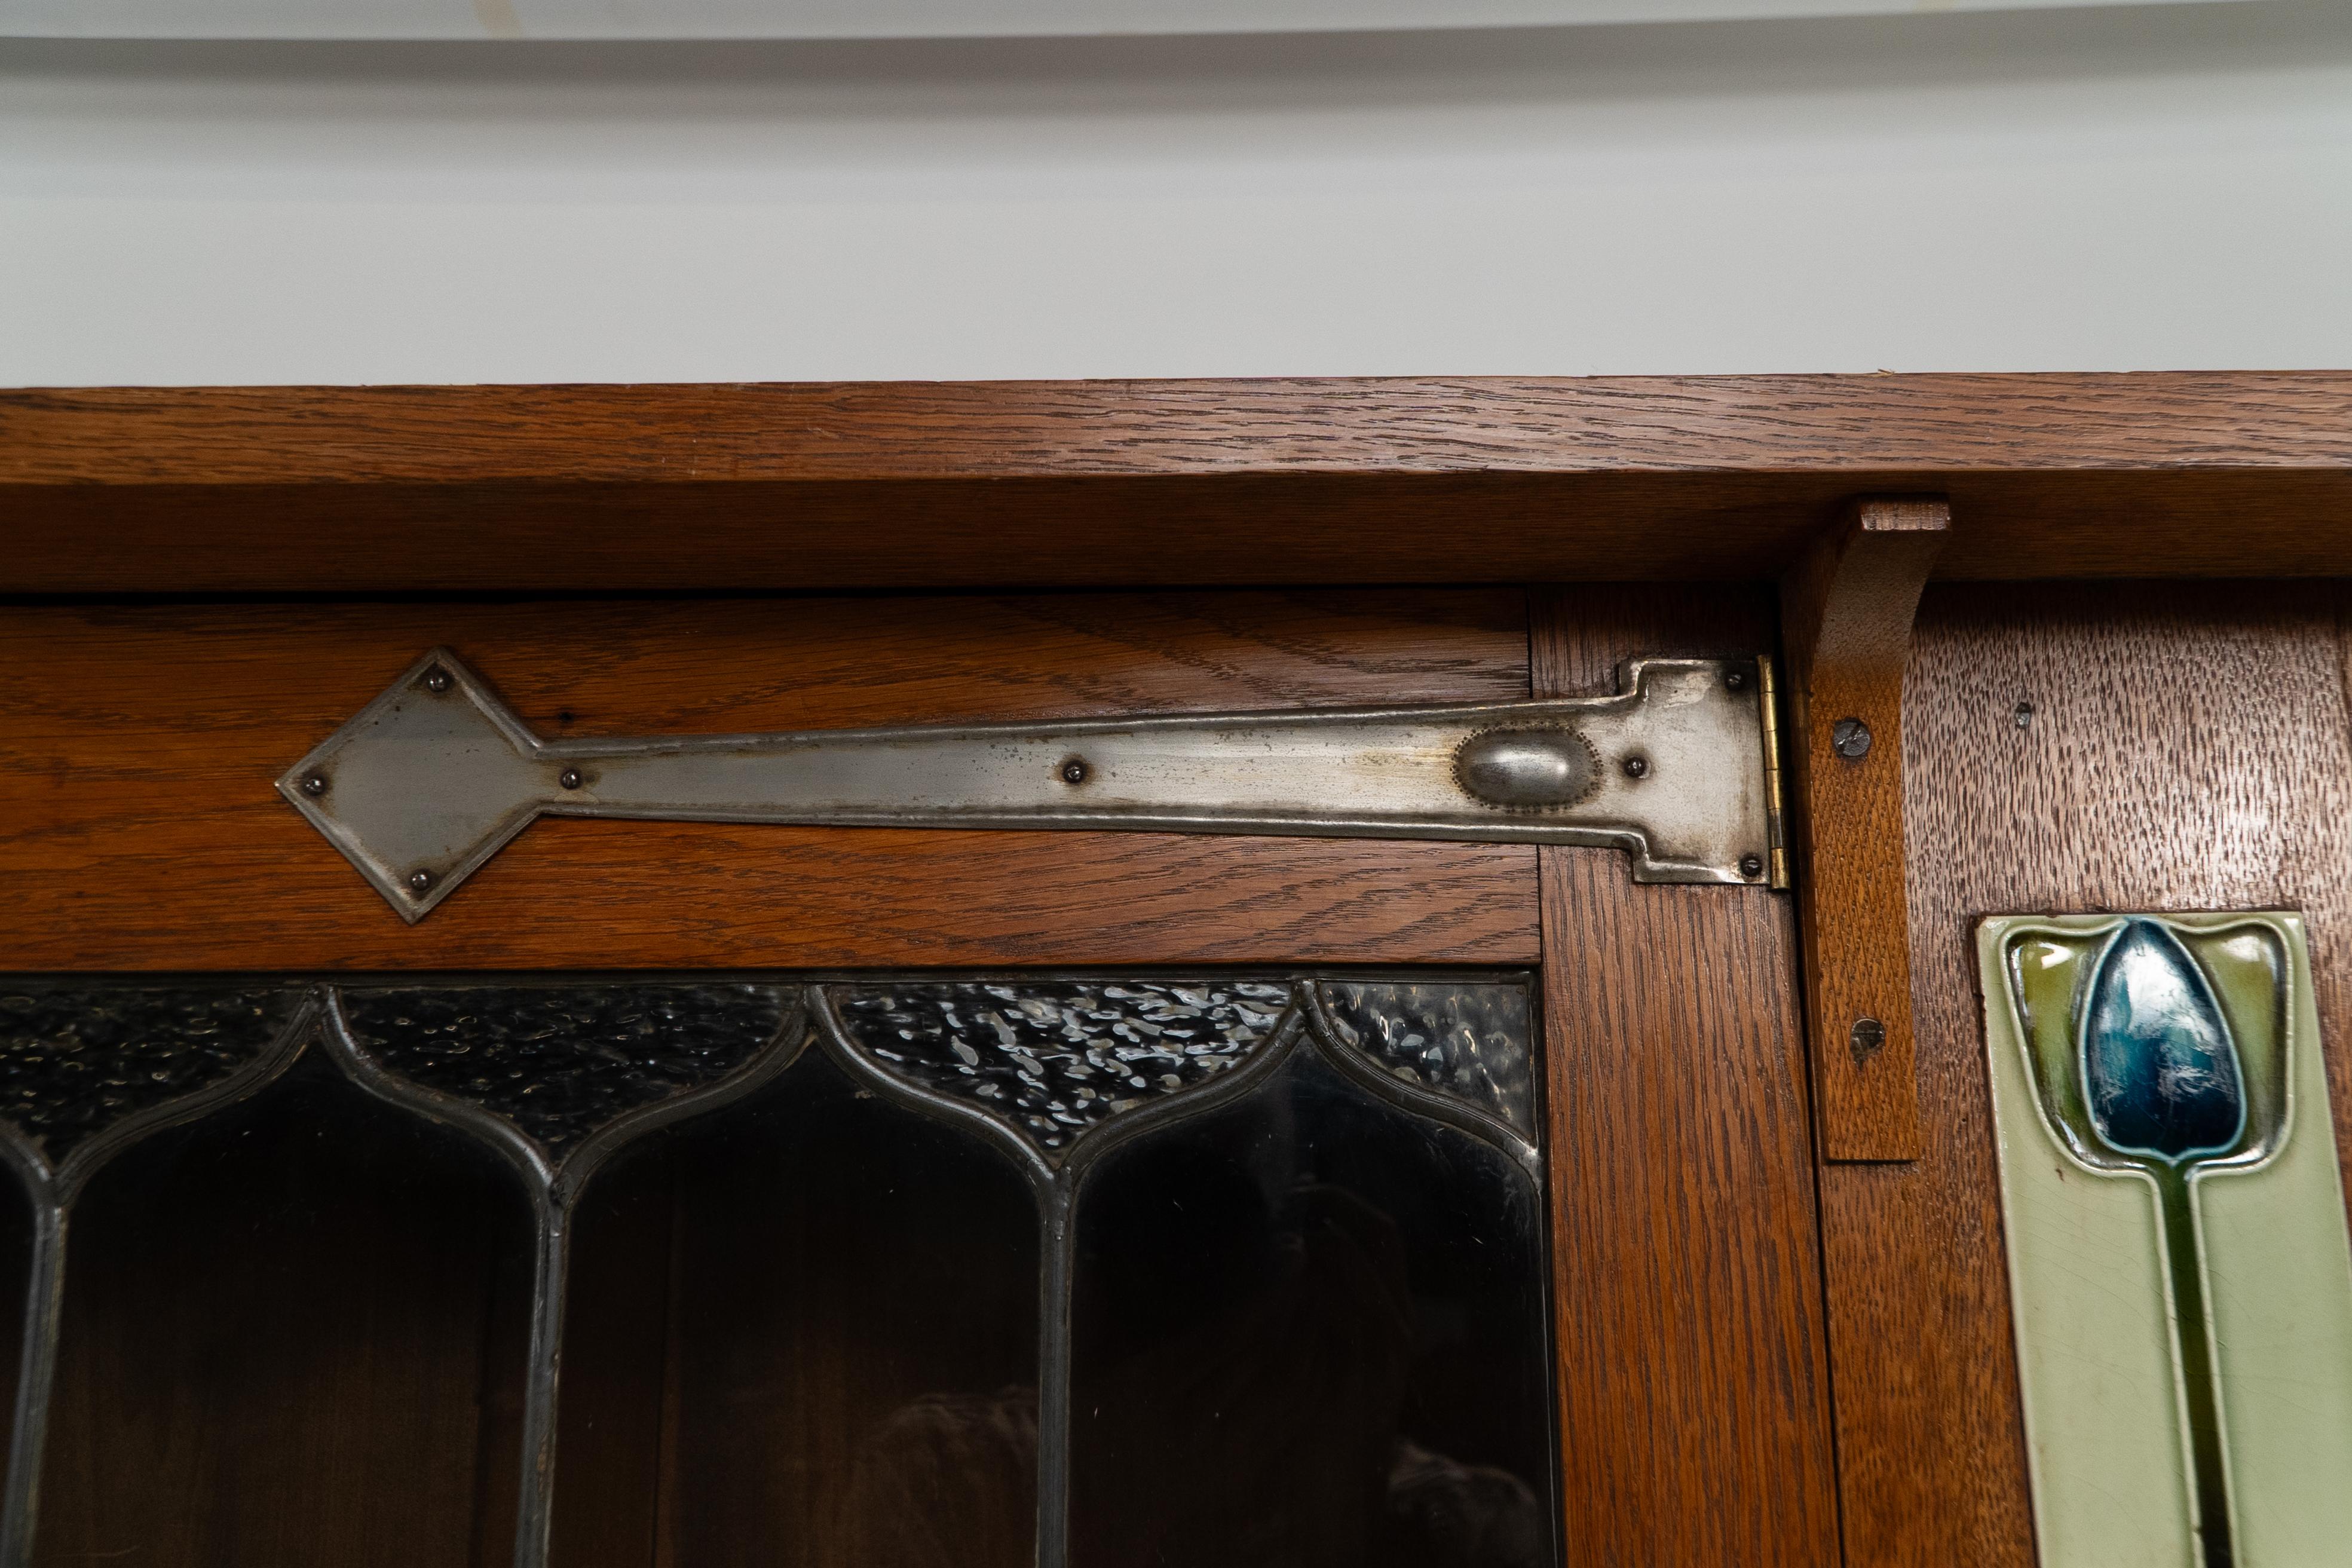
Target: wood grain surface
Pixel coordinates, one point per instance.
(1846, 617)
(729, 488)
(2187, 749)
(139, 827)
(1695, 1400)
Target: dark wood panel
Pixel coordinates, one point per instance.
(609, 488)
(2187, 749)
(1695, 1419)
(138, 829)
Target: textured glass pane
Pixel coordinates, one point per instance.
(562, 1062)
(1052, 1060)
(857, 1331)
(75, 1060)
(1469, 1039)
(1310, 1331)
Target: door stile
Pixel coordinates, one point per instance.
(1695, 1418)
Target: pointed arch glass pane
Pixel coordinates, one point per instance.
(855, 1293)
(1310, 1332)
(214, 1401)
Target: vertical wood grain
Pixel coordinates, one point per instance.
(1846, 611)
(1694, 1421)
(2186, 749)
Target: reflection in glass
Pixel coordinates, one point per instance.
(856, 1292)
(1310, 1331)
(266, 1306)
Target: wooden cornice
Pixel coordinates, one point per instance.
(603, 488)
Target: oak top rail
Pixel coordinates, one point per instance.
(1061, 483)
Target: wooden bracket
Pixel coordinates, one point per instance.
(1846, 611)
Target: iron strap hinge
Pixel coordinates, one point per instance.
(1678, 768)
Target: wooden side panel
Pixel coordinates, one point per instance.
(2186, 749)
(138, 829)
(1695, 1419)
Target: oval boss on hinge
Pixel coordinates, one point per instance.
(429, 780)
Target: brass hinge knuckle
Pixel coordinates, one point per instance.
(1776, 814)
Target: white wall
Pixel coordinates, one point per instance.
(2133, 188)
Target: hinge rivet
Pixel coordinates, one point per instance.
(1751, 865)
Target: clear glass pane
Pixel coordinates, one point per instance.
(264, 1305)
(856, 1334)
(1311, 1331)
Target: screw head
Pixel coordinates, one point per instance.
(1751, 865)
(315, 785)
(437, 680)
(1636, 767)
(1850, 738)
(419, 881)
(1734, 680)
(2023, 715)
(1868, 1038)
(570, 778)
(1075, 771)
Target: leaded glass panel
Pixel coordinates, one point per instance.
(1206, 1269)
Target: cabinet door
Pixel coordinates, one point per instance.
(887, 1196)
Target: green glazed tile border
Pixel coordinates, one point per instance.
(2105, 1420)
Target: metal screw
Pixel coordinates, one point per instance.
(1850, 738)
(1637, 768)
(1869, 1038)
(1075, 771)
(570, 778)
(2024, 714)
(1734, 680)
(315, 785)
(1751, 865)
(437, 680)
(419, 881)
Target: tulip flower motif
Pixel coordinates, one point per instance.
(2164, 1093)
